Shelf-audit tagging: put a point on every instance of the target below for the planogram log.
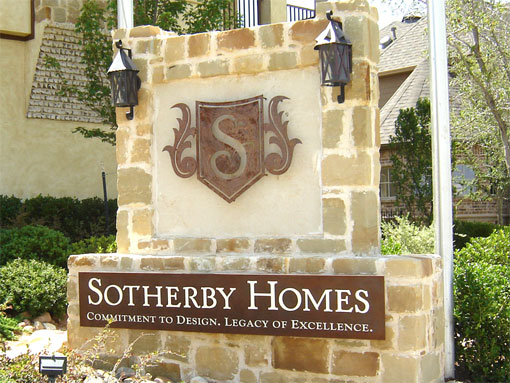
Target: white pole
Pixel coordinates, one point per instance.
(125, 14)
(441, 166)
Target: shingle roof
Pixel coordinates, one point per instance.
(408, 50)
(416, 86)
(61, 42)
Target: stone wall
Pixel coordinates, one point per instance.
(411, 353)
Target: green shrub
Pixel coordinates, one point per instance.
(482, 309)
(34, 242)
(21, 369)
(8, 326)
(94, 245)
(77, 219)
(33, 286)
(465, 230)
(403, 237)
(9, 209)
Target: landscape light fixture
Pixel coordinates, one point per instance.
(124, 80)
(335, 53)
(52, 366)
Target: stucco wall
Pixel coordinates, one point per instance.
(39, 156)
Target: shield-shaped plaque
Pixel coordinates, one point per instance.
(230, 145)
(229, 140)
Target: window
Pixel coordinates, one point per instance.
(387, 186)
(462, 177)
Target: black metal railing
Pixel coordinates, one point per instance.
(295, 13)
(248, 11)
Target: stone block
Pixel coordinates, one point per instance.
(177, 347)
(178, 72)
(59, 15)
(271, 36)
(126, 263)
(373, 40)
(141, 150)
(144, 341)
(274, 377)
(405, 299)
(144, 31)
(301, 354)
(143, 129)
(198, 45)
(355, 363)
(134, 185)
(248, 64)
(399, 369)
(320, 245)
(187, 245)
(173, 263)
(142, 222)
(359, 88)
(355, 265)
(338, 170)
(362, 126)
(151, 263)
(144, 108)
(430, 367)
(412, 333)
(212, 68)
(164, 369)
(332, 127)
(273, 245)
(357, 31)
(203, 264)
(122, 232)
(84, 260)
(365, 215)
(306, 31)
(388, 343)
(235, 263)
(43, 14)
(148, 46)
(255, 355)
(334, 216)
(247, 376)
(308, 56)
(175, 49)
(271, 264)
(142, 65)
(109, 261)
(216, 362)
(236, 39)
(122, 139)
(307, 265)
(158, 74)
(408, 267)
(282, 60)
(232, 245)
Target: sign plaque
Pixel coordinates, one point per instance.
(321, 306)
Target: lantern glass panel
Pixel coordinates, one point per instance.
(124, 85)
(336, 64)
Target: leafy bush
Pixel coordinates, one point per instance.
(77, 219)
(465, 230)
(94, 245)
(21, 369)
(403, 237)
(8, 326)
(34, 242)
(482, 310)
(33, 286)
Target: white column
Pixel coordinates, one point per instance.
(125, 14)
(441, 166)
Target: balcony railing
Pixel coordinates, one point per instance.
(295, 13)
(249, 14)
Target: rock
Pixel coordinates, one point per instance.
(161, 379)
(22, 324)
(49, 326)
(198, 379)
(26, 315)
(38, 325)
(124, 373)
(29, 329)
(44, 318)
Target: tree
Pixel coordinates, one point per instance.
(94, 23)
(412, 161)
(479, 41)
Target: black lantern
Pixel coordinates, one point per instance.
(335, 53)
(124, 80)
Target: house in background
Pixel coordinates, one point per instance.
(403, 79)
